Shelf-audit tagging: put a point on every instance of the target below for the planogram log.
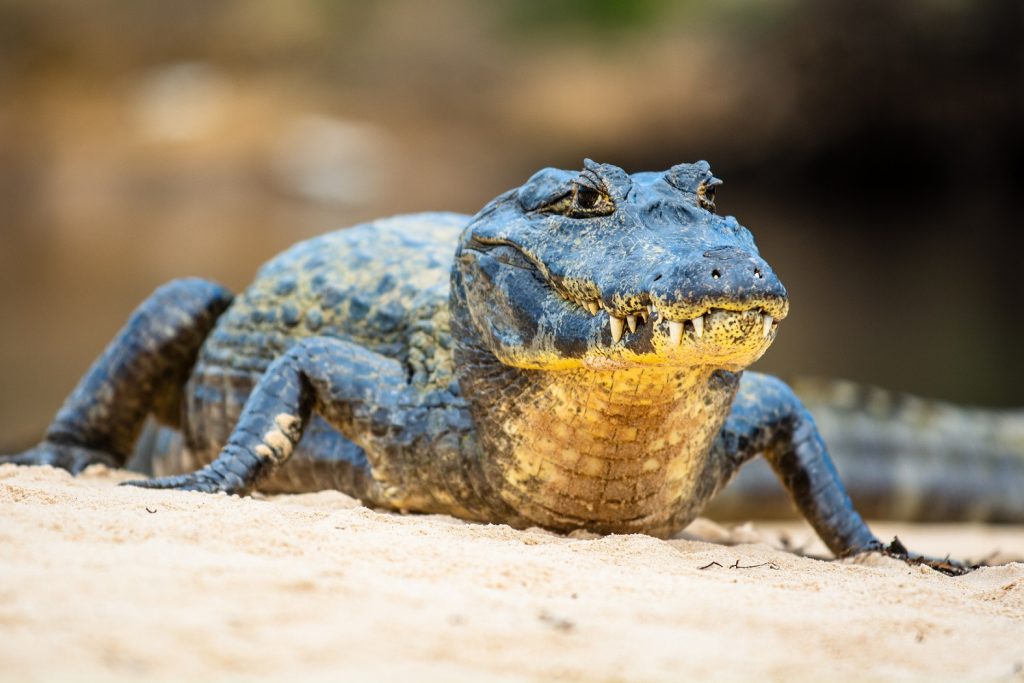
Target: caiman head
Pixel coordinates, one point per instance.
(602, 269)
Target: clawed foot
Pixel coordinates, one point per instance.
(898, 551)
(205, 480)
(68, 457)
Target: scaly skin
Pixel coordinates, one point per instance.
(578, 364)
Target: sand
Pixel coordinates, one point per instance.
(120, 584)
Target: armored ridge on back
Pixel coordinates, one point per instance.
(578, 364)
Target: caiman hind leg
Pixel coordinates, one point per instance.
(142, 371)
(363, 395)
(768, 419)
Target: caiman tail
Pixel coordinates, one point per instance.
(901, 457)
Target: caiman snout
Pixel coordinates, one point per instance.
(727, 277)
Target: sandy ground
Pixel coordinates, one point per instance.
(106, 583)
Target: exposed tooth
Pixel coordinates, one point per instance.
(675, 332)
(631, 321)
(767, 325)
(643, 315)
(698, 326)
(592, 307)
(650, 309)
(616, 325)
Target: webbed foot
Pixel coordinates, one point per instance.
(219, 476)
(65, 456)
(182, 482)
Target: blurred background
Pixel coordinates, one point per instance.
(875, 149)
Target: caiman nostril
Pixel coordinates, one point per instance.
(715, 274)
(757, 273)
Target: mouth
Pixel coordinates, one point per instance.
(649, 325)
(712, 327)
(681, 321)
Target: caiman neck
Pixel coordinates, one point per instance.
(610, 451)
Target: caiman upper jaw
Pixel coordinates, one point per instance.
(727, 292)
(636, 309)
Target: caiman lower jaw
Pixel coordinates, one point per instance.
(717, 334)
(694, 327)
(680, 320)
(721, 338)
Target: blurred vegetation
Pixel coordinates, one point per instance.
(874, 148)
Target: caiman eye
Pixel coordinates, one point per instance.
(587, 202)
(582, 201)
(587, 198)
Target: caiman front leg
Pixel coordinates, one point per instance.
(362, 394)
(142, 372)
(768, 419)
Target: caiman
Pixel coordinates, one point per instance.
(571, 357)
